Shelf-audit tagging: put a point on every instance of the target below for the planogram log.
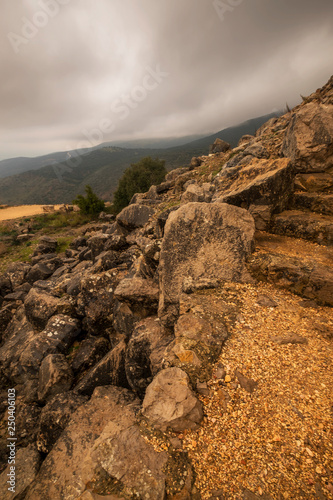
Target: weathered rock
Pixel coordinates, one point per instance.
(17, 271)
(219, 146)
(134, 216)
(104, 445)
(110, 370)
(54, 418)
(196, 162)
(307, 225)
(224, 240)
(90, 352)
(97, 298)
(123, 319)
(313, 281)
(245, 139)
(316, 182)
(78, 242)
(96, 244)
(261, 182)
(246, 383)
(261, 215)
(309, 138)
(115, 242)
(193, 193)
(145, 354)
(140, 294)
(39, 307)
(5, 285)
(170, 403)
(27, 463)
(55, 376)
(257, 150)
(46, 245)
(63, 330)
(26, 424)
(316, 202)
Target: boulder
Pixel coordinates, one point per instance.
(261, 182)
(27, 463)
(170, 402)
(100, 446)
(145, 353)
(222, 243)
(245, 139)
(308, 140)
(219, 146)
(139, 293)
(312, 281)
(90, 351)
(97, 299)
(55, 376)
(46, 245)
(96, 244)
(134, 216)
(123, 319)
(39, 307)
(63, 330)
(54, 418)
(193, 193)
(17, 271)
(110, 370)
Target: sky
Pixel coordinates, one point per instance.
(76, 73)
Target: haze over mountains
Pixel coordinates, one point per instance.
(59, 177)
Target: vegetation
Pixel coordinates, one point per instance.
(91, 204)
(138, 179)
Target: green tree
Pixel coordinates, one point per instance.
(90, 204)
(137, 179)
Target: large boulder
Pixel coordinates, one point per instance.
(170, 402)
(100, 447)
(39, 307)
(27, 463)
(309, 138)
(139, 293)
(260, 182)
(55, 376)
(145, 353)
(202, 241)
(110, 370)
(54, 418)
(219, 146)
(96, 301)
(135, 216)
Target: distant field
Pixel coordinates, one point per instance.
(22, 211)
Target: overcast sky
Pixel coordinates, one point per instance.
(76, 73)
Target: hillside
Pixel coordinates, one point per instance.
(183, 350)
(101, 168)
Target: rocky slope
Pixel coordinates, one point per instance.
(183, 351)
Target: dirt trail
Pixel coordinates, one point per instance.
(22, 211)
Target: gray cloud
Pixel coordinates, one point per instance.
(227, 61)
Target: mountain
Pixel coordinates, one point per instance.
(100, 167)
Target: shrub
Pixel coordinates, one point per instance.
(137, 179)
(90, 204)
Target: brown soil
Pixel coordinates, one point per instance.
(22, 211)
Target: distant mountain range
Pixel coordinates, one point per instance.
(60, 177)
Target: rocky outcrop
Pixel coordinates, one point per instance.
(106, 343)
(309, 138)
(98, 451)
(222, 243)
